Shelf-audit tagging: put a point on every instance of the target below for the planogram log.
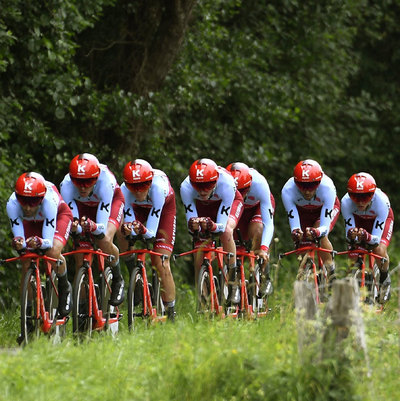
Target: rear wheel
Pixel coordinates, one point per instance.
(81, 321)
(30, 320)
(204, 290)
(135, 297)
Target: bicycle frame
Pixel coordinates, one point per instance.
(41, 314)
(94, 309)
(210, 253)
(148, 309)
(310, 250)
(358, 252)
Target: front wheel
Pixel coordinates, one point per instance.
(323, 287)
(135, 297)
(157, 299)
(51, 302)
(30, 316)
(108, 310)
(256, 300)
(81, 321)
(204, 290)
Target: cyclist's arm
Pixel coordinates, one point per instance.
(327, 193)
(347, 209)
(14, 213)
(188, 199)
(153, 220)
(267, 216)
(68, 193)
(49, 209)
(105, 191)
(288, 194)
(227, 193)
(382, 208)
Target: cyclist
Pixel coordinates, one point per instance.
(369, 219)
(312, 207)
(150, 211)
(97, 204)
(257, 221)
(213, 205)
(41, 221)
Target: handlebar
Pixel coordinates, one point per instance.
(32, 256)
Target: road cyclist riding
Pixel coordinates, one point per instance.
(369, 222)
(40, 222)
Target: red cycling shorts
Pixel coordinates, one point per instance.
(63, 224)
(116, 213)
(165, 237)
(368, 224)
(311, 217)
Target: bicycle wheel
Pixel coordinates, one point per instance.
(135, 297)
(109, 311)
(323, 284)
(81, 321)
(30, 321)
(204, 290)
(157, 299)
(223, 287)
(255, 298)
(51, 303)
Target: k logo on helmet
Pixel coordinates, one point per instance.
(360, 183)
(28, 187)
(200, 172)
(305, 172)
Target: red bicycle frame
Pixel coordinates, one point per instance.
(148, 309)
(94, 310)
(309, 249)
(211, 253)
(41, 314)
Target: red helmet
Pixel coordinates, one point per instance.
(307, 174)
(203, 174)
(361, 187)
(138, 175)
(30, 189)
(84, 170)
(241, 173)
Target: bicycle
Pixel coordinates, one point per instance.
(144, 298)
(308, 270)
(39, 302)
(212, 291)
(252, 302)
(91, 310)
(368, 279)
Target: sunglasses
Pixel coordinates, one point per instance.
(31, 201)
(139, 187)
(360, 197)
(307, 186)
(203, 186)
(84, 182)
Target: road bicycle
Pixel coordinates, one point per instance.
(91, 310)
(367, 275)
(144, 297)
(39, 298)
(212, 289)
(309, 270)
(252, 302)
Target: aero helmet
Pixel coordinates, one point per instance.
(307, 174)
(84, 170)
(361, 187)
(30, 189)
(138, 175)
(203, 174)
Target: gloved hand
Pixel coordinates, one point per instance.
(34, 242)
(364, 235)
(297, 235)
(126, 229)
(18, 243)
(193, 224)
(262, 253)
(352, 233)
(139, 228)
(207, 224)
(312, 233)
(88, 225)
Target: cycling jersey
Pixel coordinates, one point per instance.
(224, 194)
(322, 205)
(106, 198)
(157, 211)
(52, 220)
(260, 195)
(377, 219)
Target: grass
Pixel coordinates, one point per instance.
(199, 359)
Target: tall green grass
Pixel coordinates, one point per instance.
(200, 359)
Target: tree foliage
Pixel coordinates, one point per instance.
(266, 83)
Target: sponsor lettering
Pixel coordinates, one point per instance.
(14, 222)
(379, 225)
(188, 208)
(225, 210)
(104, 206)
(50, 222)
(155, 212)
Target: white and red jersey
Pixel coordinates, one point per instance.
(159, 191)
(377, 212)
(296, 205)
(101, 196)
(46, 213)
(260, 193)
(224, 192)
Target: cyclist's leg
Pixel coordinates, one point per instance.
(107, 245)
(64, 286)
(384, 277)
